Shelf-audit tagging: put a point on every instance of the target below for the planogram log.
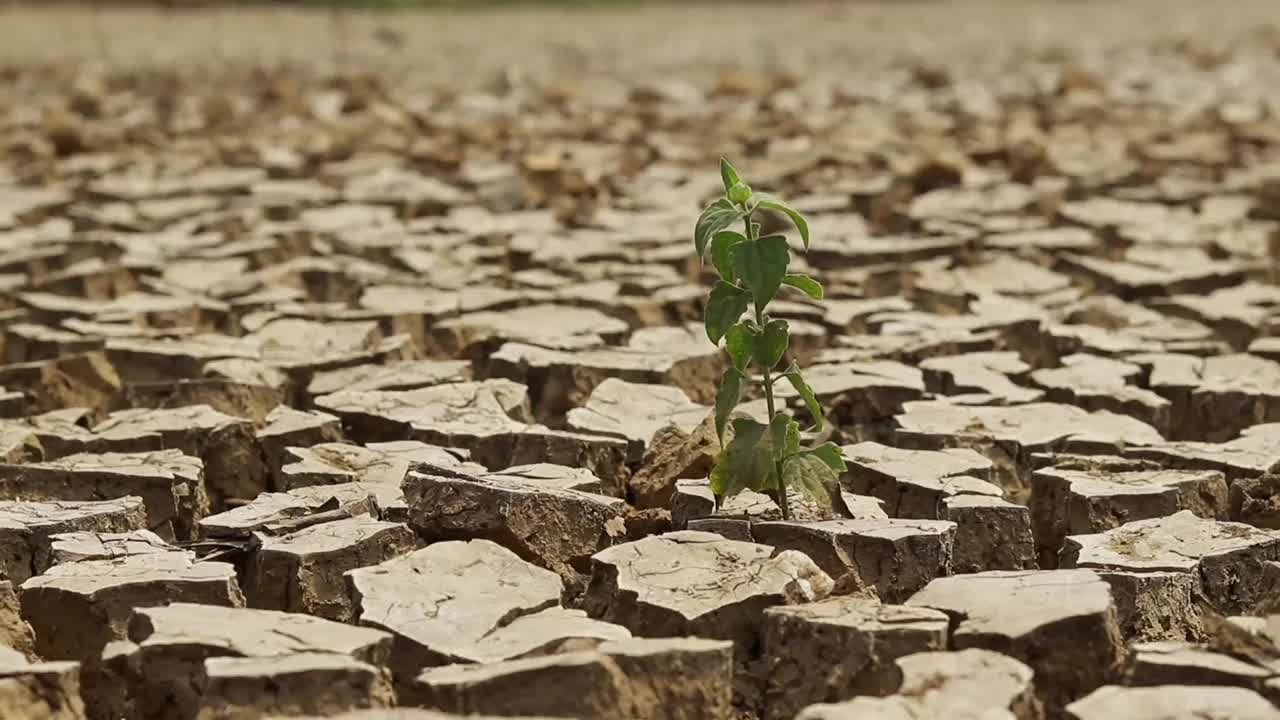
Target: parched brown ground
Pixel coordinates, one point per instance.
(831, 38)
(351, 364)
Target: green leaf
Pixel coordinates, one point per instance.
(766, 200)
(771, 343)
(830, 454)
(762, 264)
(739, 341)
(806, 393)
(803, 283)
(722, 252)
(727, 399)
(746, 463)
(778, 435)
(729, 175)
(716, 217)
(811, 476)
(793, 440)
(725, 305)
(784, 437)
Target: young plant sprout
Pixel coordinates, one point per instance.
(764, 458)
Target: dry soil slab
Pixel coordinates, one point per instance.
(950, 484)
(1172, 702)
(286, 427)
(673, 356)
(168, 665)
(46, 690)
(684, 678)
(76, 546)
(559, 529)
(896, 557)
(442, 602)
(965, 684)
(375, 462)
(1215, 398)
(1098, 383)
(690, 583)
(233, 464)
(76, 609)
(841, 647)
(1176, 662)
(396, 376)
(1224, 559)
(288, 511)
(27, 528)
(1062, 623)
(635, 412)
(303, 571)
(1251, 454)
(15, 633)
(1010, 435)
(491, 419)
(170, 483)
(1069, 501)
(291, 684)
(987, 373)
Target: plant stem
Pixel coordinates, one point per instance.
(767, 379)
(768, 398)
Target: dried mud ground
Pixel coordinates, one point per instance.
(352, 365)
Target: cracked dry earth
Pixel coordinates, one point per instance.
(352, 365)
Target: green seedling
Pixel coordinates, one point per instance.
(765, 458)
